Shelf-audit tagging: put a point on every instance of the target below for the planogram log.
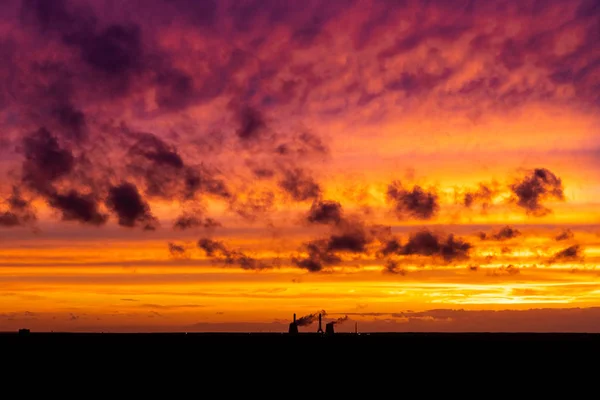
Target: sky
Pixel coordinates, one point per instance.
(179, 165)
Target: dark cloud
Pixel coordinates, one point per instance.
(72, 121)
(381, 233)
(202, 13)
(578, 68)
(176, 251)
(504, 270)
(325, 212)
(19, 212)
(482, 195)
(391, 246)
(566, 234)
(155, 150)
(418, 82)
(9, 219)
(537, 186)
(253, 204)
(505, 233)
(283, 149)
(393, 267)
(588, 9)
(307, 33)
(191, 220)
(252, 125)
(311, 144)
(411, 41)
(571, 253)
(77, 207)
(263, 173)
(511, 55)
(429, 244)
(218, 251)
(352, 237)
(174, 90)
(210, 223)
(299, 185)
(158, 163)
(45, 161)
(348, 236)
(416, 203)
(201, 179)
(16, 202)
(131, 209)
(454, 249)
(166, 174)
(319, 256)
(212, 247)
(48, 15)
(305, 144)
(281, 155)
(115, 51)
(246, 262)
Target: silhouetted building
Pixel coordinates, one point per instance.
(320, 330)
(23, 331)
(329, 328)
(293, 326)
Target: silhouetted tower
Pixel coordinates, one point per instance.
(356, 328)
(293, 326)
(329, 328)
(320, 330)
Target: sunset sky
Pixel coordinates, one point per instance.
(182, 165)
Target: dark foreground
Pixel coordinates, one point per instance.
(347, 359)
(35, 338)
(246, 343)
(226, 349)
(470, 336)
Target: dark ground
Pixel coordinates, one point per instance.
(259, 361)
(248, 343)
(36, 338)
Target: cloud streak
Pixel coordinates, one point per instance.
(534, 188)
(129, 206)
(219, 252)
(506, 233)
(415, 203)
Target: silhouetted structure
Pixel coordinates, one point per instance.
(320, 330)
(293, 326)
(23, 331)
(329, 328)
(356, 328)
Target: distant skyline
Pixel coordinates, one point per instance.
(220, 165)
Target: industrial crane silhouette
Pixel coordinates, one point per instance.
(320, 330)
